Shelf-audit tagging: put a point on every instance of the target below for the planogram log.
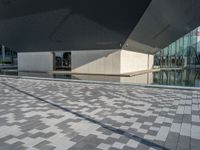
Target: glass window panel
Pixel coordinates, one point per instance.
(166, 51)
(181, 45)
(194, 37)
(169, 49)
(177, 47)
(173, 48)
(186, 44)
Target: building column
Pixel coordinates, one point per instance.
(54, 61)
(3, 53)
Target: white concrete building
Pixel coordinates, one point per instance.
(110, 62)
(89, 62)
(31, 61)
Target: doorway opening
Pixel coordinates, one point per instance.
(63, 61)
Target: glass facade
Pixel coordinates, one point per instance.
(181, 53)
(7, 56)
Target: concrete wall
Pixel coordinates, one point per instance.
(110, 61)
(36, 61)
(96, 62)
(99, 62)
(134, 61)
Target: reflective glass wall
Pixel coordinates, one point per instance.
(181, 53)
(7, 56)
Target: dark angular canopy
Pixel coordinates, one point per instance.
(138, 25)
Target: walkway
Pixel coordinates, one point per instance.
(45, 115)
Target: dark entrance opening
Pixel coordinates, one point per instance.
(67, 60)
(63, 61)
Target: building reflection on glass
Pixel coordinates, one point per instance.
(182, 53)
(179, 62)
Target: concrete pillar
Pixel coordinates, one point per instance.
(134, 61)
(148, 63)
(3, 53)
(54, 60)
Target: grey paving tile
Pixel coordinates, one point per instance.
(171, 141)
(195, 144)
(195, 132)
(187, 118)
(183, 143)
(44, 146)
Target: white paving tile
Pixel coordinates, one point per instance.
(162, 134)
(132, 143)
(103, 146)
(118, 145)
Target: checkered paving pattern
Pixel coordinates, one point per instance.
(46, 115)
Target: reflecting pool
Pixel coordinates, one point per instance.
(178, 77)
(186, 77)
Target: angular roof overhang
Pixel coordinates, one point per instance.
(49, 25)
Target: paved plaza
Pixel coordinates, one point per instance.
(47, 115)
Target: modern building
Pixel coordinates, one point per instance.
(104, 37)
(184, 52)
(44, 61)
(92, 62)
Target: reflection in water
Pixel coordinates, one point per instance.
(163, 77)
(146, 78)
(186, 77)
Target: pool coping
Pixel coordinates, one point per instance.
(104, 82)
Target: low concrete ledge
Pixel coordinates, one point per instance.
(142, 72)
(77, 73)
(36, 71)
(171, 68)
(130, 74)
(7, 66)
